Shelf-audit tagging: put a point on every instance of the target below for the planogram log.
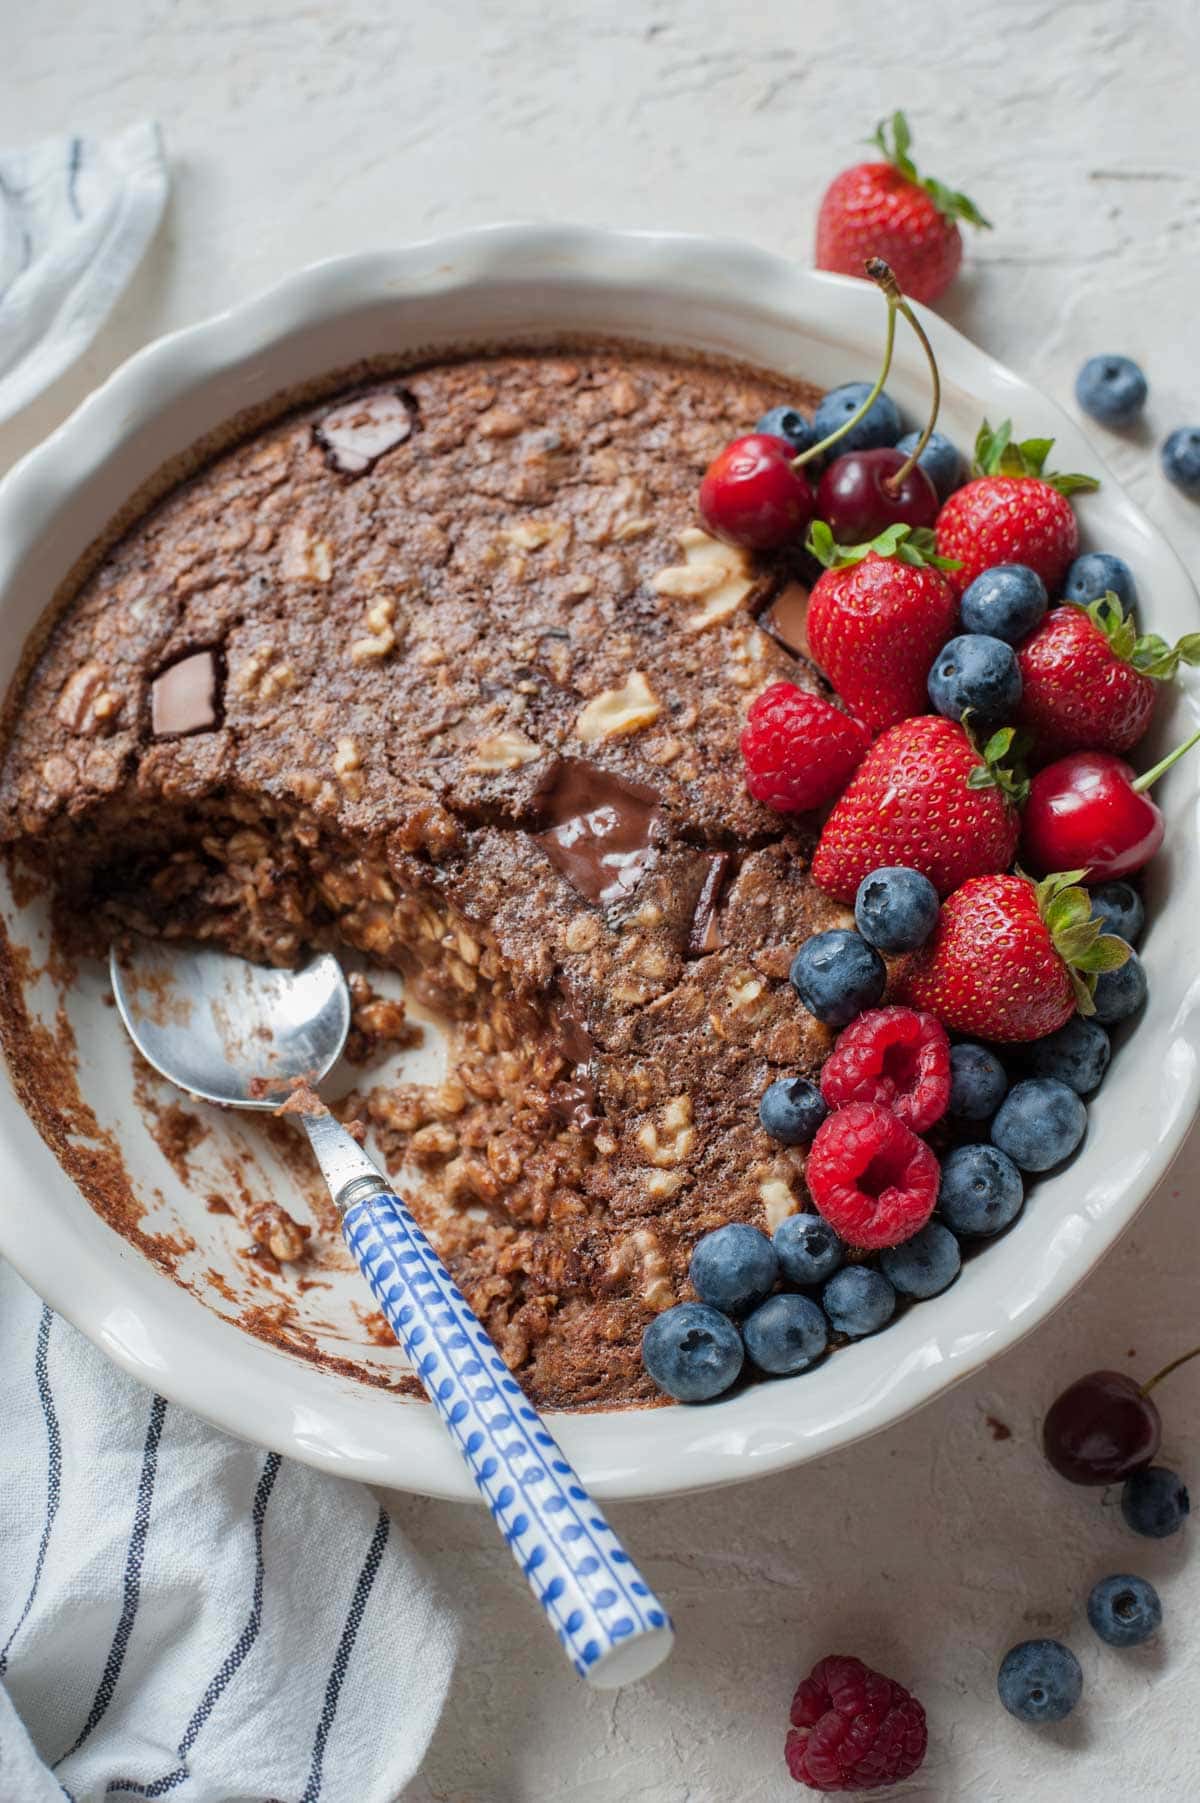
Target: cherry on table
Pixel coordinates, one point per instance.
(858, 496)
(1101, 1428)
(753, 496)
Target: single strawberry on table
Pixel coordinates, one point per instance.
(924, 796)
(1088, 678)
(1011, 960)
(877, 617)
(1012, 512)
(886, 209)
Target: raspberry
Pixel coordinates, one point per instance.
(800, 751)
(853, 1729)
(896, 1057)
(873, 1180)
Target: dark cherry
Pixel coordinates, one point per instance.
(752, 496)
(855, 500)
(1101, 1428)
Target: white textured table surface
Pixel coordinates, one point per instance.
(300, 128)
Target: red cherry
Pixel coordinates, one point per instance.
(751, 495)
(1101, 1428)
(1084, 813)
(857, 501)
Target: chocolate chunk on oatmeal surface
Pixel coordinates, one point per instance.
(453, 678)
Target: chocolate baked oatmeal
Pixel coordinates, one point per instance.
(443, 670)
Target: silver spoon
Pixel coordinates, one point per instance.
(241, 1035)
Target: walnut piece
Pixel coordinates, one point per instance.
(305, 557)
(717, 576)
(615, 712)
(85, 704)
(669, 1142)
(504, 751)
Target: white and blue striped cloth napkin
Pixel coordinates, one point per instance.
(185, 1616)
(76, 216)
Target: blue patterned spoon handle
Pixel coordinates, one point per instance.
(611, 1625)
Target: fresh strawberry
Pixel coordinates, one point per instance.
(877, 618)
(1012, 512)
(1011, 960)
(888, 210)
(1089, 679)
(799, 750)
(924, 797)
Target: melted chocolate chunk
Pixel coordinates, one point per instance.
(703, 935)
(355, 435)
(787, 619)
(601, 832)
(574, 1101)
(183, 697)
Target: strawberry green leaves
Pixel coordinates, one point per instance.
(997, 454)
(949, 201)
(1003, 762)
(1079, 939)
(1147, 652)
(907, 544)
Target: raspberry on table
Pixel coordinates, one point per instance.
(896, 1057)
(799, 750)
(873, 1180)
(853, 1729)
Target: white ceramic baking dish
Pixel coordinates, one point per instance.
(533, 282)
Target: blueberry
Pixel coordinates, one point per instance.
(1124, 1610)
(836, 975)
(941, 460)
(734, 1268)
(791, 1110)
(880, 425)
(808, 1249)
(1077, 1055)
(1120, 992)
(1118, 906)
(1040, 1122)
(1111, 389)
(981, 1191)
(925, 1265)
(1007, 601)
(789, 423)
(1097, 573)
(1040, 1681)
(858, 1301)
(978, 1082)
(787, 1334)
(1181, 459)
(1155, 1502)
(692, 1352)
(976, 672)
(896, 908)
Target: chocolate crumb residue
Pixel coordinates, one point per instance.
(1000, 1429)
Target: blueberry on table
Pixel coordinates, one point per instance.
(785, 1334)
(896, 908)
(976, 673)
(1155, 1502)
(978, 1082)
(1039, 1123)
(1111, 389)
(791, 1110)
(941, 460)
(1181, 459)
(808, 1249)
(692, 1352)
(1120, 992)
(1040, 1681)
(1118, 907)
(1124, 1610)
(1006, 602)
(836, 975)
(982, 1191)
(880, 425)
(858, 1301)
(788, 423)
(1077, 1055)
(733, 1268)
(925, 1265)
(1099, 573)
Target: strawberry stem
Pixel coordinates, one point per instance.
(883, 278)
(1167, 1369)
(1149, 777)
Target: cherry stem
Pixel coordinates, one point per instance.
(1167, 1370)
(1151, 776)
(883, 278)
(893, 482)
